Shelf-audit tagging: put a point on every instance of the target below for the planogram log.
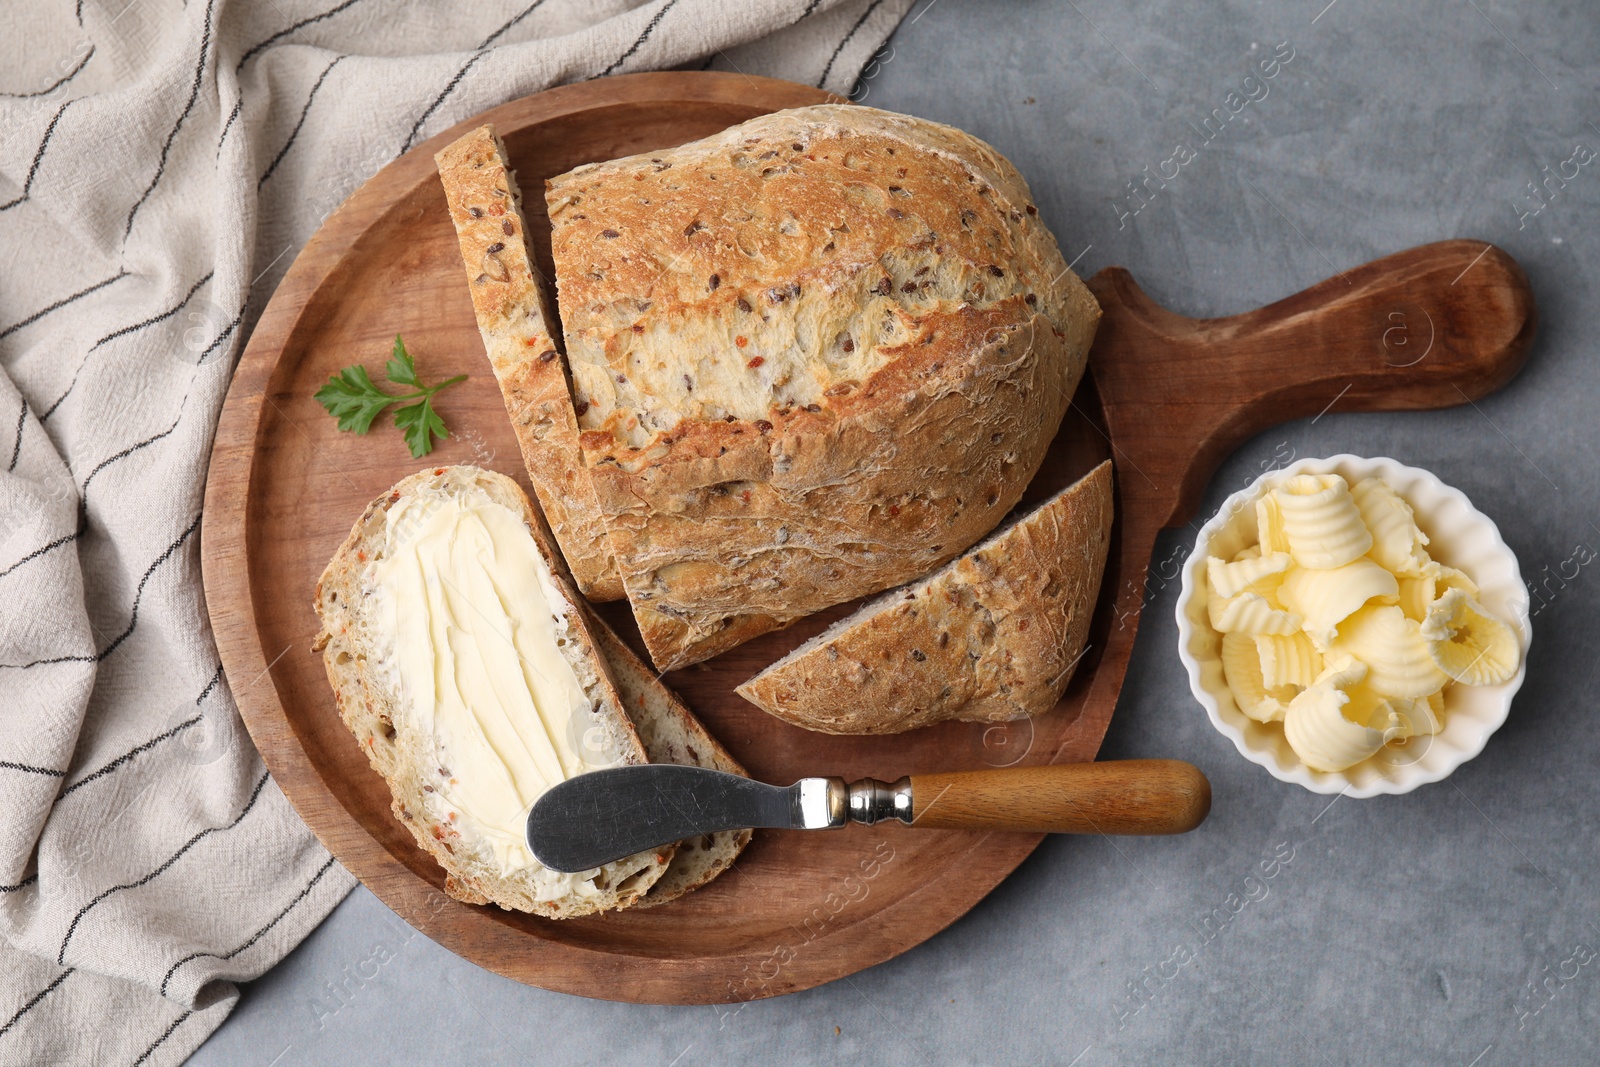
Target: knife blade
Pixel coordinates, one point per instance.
(603, 816)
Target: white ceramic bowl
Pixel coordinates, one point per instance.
(1459, 535)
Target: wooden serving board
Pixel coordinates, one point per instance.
(1166, 396)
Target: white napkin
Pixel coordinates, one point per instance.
(160, 164)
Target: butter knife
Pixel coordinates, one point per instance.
(602, 816)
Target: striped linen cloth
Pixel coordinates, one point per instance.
(160, 163)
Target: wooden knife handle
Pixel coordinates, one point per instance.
(1142, 796)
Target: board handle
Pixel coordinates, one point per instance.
(1431, 327)
(1144, 796)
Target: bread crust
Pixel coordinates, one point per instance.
(813, 356)
(367, 707)
(672, 734)
(515, 320)
(994, 635)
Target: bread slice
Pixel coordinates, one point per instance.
(994, 635)
(518, 330)
(359, 657)
(672, 734)
(814, 356)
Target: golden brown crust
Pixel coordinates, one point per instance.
(813, 356)
(514, 318)
(995, 635)
(366, 707)
(672, 734)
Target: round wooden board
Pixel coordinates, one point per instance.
(285, 486)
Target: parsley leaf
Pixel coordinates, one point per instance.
(421, 424)
(352, 397)
(401, 368)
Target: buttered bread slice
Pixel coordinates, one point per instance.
(461, 662)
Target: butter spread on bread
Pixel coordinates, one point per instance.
(462, 663)
(514, 318)
(813, 356)
(469, 608)
(996, 634)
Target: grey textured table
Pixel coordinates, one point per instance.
(1456, 925)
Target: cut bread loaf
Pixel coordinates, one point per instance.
(448, 766)
(518, 329)
(813, 356)
(994, 635)
(672, 734)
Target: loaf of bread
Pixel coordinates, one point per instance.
(359, 644)
(672, 734)
(518, 329)
(994, 635)
(813, 356)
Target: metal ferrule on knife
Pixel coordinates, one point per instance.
(829, 803)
